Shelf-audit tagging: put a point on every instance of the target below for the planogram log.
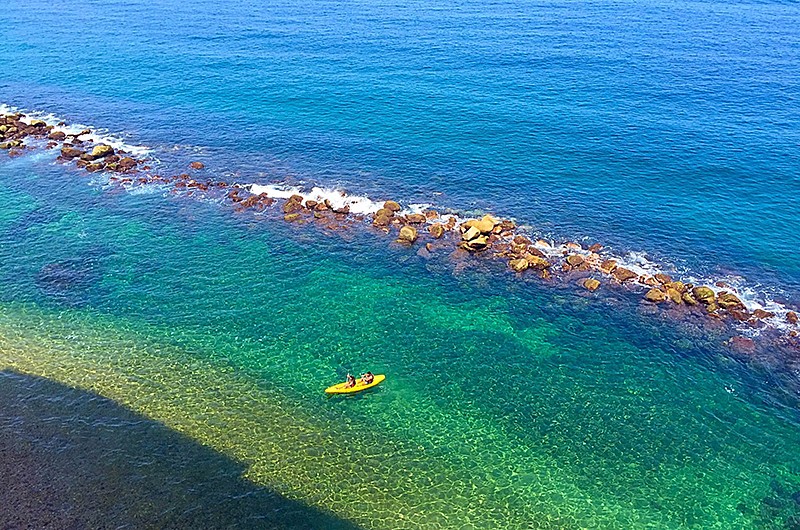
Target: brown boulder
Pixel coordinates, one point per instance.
(310, 204)
(126, 163)
(416, 218)
(791, 317)
(608, 266)
(521, 240)
(380, 220)
(100, 151)
(385, 212)
(289, 217)
(663, 278)
(408, 234)
(535, 262)
(69, 153)
(729, 301)
(197, 165)
(591, 284)
(292, 206)
(478, 243)
(436, 230)
(760, 314)
(58, 136)
(623, 275)
(518, 265)
(655, 295)
(597, 247)
(575, 260)
(391, 205)
(470, 234)
(742, 344)
(97, 166)
(674, 295)
(704, 294)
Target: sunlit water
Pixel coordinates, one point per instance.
(654, 127)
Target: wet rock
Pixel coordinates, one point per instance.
(575, 260)
(739, 314)
(761, 314)
(126, 164)
(310, 204)
(38, 124)
(791, 317)
(663, 278)
(522, 240)
(197, 165)
(704, 294)
(518, 265)
(678, 286)
(431, 214)
(289, 217)
(470, 234)
(729, 301)
(416, 218)
(543, 244)
(674, 295)
(97, 166)
(608, 266)
(436, 230)
(68, 153)
(535, 262)
(58, 136)
(344, 210)
(101, 151)
(655, 295)
(597, 247)
(484, 225)
(293, 205)
(591, 284)
(408, 234)
(381, 221)
(392, 205)
(478, 243)
(571, 245)
(623, 275)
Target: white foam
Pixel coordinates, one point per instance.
(338, 198)
(94, 135)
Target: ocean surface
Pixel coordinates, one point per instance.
(162, 358)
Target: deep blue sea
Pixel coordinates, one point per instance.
(668, 131)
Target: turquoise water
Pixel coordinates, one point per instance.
(663, 128)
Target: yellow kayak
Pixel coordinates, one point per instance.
(342, 389)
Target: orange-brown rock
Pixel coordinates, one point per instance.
(761, 314)
(431, 214)
(391, 205)
(416, 218)
(729, 301)
(597, 247)
(623, 275)
(663, 278)
(674, 295)
(742, 344)
(436, 230)
(522, 240)
(470, 233)
(591, 284)
(689, 298)
(408, 234)
(310, 204)
(197, 165)
(575, 260)
(608, 266)
(655, 295)
(97, 166)
(68, 153)
(381, 220)
(58, 136)
(289, 217)
(518, 265)
(292, 206)
(538, 263)
(703, 294)
(791, 317)
(385, 212)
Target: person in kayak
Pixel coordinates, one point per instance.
(351, 381)
(367, 378)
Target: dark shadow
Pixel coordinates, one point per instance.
(73, 459)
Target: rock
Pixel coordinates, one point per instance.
(436, 230)
(391, 205)
(597, 247)
(38, 123)
(678, 286)
(655, 295)
(623, 275)
(742, 344)
(608, 266)
(101, 150)
(689, 299)
(292, 206)
(197, 165)
(58, 136)
(81, 163)
(126, 163)
(704, 294)
(470, 234)
(591, 284)
(760, 314)
(536, 252)
(791, 317)
(69, 153)
(738, 314)
(381, 220)
(289, 217)
(310, 204)
(649, 280)
(575, 260)
(712, 307)
(518, 265)
(573, 246)
(522, 240)
(431, 214)
(535, 262)
(479, 243)
(416, 218)
(386, 212)
(543, 244)
(96, 166)
(408, 234)
(344, 210)
(674, 295)
(663, 278)
(729, 301)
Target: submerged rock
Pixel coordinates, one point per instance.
(591, 284)
(436, 230)
(197, 165)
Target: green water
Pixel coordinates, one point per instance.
(505, 406)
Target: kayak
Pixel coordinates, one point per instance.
(342, 389)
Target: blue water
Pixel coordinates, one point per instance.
(665, 128)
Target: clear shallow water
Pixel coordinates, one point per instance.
(666, 128)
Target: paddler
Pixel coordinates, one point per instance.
(351, 381)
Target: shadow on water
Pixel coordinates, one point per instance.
(72, 459)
